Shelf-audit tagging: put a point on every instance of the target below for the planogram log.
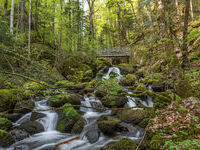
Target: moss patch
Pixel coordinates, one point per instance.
(5, 124)
(108, 127)
(60, 99)
(123, 144)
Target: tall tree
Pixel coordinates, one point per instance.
(29, 30)
(12, 16)
(191, 9)
(91, 17)
(22, 14)
(185, 34)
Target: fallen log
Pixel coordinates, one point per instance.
(70, 87)
(67, 141)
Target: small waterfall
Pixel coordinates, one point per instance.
(22, 119)
(50, 120)
(149, 101)
(49, 137)
(114, 70)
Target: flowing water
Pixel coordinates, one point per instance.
(50, 137)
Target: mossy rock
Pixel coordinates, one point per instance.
(6, 139)
(114, 101)
(8, 99)
(122, 144)
(108, 127)
(109, 87)
(129, 80)
(24, 106)
(69, 121)
(111, 94)
(60, 99)
(32, 127)
(132, 116)
(5, 124)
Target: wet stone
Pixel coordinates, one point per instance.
(21, 147)
(93, 135)
(19, 134)
(36, 115)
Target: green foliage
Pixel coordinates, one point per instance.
(129, 80)
(73, 69)
(155, 77)
(69, 111)
(61, 99)
(64, 83)
(186, 145)
(182, 110)
(8, 99)
(110, 87)
(5, 35)
(140, 86)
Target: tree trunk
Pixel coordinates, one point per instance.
(185, 30)
(191, 8)
(12, 16)
(22, 27)
(91, 13)
(178, 12)
(149, 12)
(5, 8)
(29, 33)
(36, 16)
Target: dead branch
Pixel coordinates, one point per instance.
(65, 142)
(71, 87)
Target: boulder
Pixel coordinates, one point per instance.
(132, 116)
(32, 127)
(93, 135)
(69, 121)
(24, 106)
(19, 134)
(5, 124)
(36, 115)
(114, 101)
(8, 99)
(108, 127)
(6, 139)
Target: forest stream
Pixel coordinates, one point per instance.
(90, 138)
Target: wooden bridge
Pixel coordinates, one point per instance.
(115, 55)
(114, 52)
